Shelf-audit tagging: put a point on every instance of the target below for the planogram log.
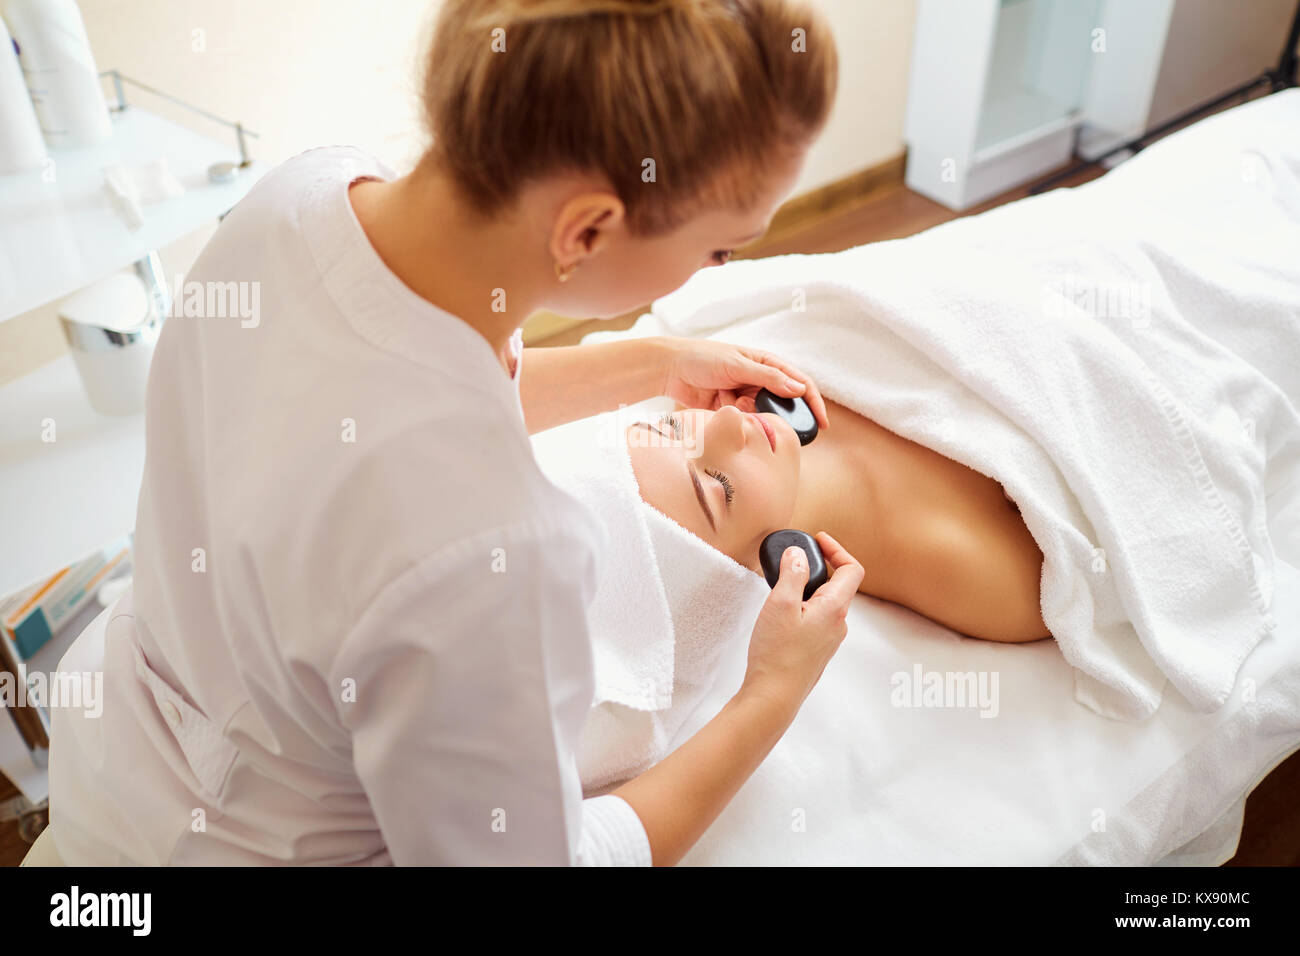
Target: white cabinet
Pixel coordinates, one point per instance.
(1003, 91)
(70, 476)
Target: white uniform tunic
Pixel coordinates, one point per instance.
(356, 633)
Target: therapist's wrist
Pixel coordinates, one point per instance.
(660, 356)
(637, 368)
(777, 701)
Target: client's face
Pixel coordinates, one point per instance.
(722, 475)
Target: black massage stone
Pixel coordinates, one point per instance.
(774, 545)
(795, 411)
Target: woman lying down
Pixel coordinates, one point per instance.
(931, 534)
(686, 498)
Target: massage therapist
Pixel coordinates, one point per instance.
(356, 633)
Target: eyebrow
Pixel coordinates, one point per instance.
(699, 493)
(694, 478)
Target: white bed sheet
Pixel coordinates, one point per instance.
(857, 780)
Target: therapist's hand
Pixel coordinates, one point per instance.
(705, 374)
(794, 639)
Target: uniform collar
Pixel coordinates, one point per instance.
(375, 302)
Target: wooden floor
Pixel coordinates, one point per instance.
(1271, 834)
(892, 212)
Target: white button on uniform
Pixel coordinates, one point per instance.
(170, 713)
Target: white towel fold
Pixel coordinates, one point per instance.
(1080, 367)
(666, 604)
(632, 635)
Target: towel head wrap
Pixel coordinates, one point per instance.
(666, 602)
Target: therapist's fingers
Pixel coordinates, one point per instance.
(788, 590)
(745, 401)
(777, 375)
(846, 574)
(765, 370)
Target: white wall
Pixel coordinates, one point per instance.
(303, 73)
(866, 125)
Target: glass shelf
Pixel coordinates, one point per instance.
(59, 235)
(1037, 73)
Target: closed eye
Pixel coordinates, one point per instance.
(723, 480)
(674, 422)
(728, 487)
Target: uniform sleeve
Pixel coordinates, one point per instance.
(465, 685)
(612, 834)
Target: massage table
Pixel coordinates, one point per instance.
(1038, 779)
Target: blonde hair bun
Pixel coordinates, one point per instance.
(703, 92)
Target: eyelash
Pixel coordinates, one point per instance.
(675, 424)
(722, 479)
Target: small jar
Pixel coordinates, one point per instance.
(112, 327)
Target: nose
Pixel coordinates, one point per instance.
(726, 430)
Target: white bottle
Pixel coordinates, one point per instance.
(60, 71)
(21, 146)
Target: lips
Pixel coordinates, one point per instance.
(767, 429)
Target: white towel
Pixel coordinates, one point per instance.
(1076, 366)
(632, 646)
(666, 605)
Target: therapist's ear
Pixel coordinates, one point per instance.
(583, 226)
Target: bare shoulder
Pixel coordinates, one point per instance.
(981, 577)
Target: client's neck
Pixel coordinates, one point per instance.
(820, 494)
(837, 493)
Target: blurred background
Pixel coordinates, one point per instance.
(303, 73)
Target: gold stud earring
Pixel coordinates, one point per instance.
(563, 273)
